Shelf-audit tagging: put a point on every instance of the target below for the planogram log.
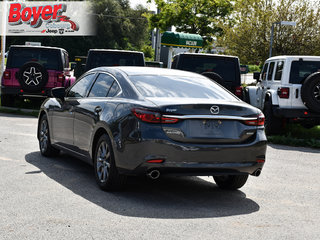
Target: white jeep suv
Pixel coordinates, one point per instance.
(288, 89)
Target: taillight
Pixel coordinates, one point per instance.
(169, 120)
(284, 92)
(152, 116)
(256, 122)
(60, 78)
(155, 161)
(238, 91)
(7, 75)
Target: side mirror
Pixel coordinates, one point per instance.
(256, 76)
(58, 92)
(73, 66)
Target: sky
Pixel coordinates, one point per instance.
(151, 6)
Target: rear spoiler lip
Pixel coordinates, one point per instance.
(219, 117)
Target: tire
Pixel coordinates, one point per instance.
(105, 169)
(215, 77)
(7, 100)
(230, 182)
(310, 92)
(273, 125)
(46, 149)
(32, 77)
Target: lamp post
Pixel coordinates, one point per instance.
(288, 23)
(3, 34)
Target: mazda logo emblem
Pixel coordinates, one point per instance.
(214, 110)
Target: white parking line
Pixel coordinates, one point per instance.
(8, 159)
(23, 134)
(27, 134)
(25, 124)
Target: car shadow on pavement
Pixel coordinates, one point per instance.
(168, 197)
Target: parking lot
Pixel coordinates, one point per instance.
(58, 198)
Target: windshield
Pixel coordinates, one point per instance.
(49, 58)
(179, 87)
(100, 59)
(225, 68)
(300, 70)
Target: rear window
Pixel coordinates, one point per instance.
(300, 70)
(100, 59)
(49, 58)
(227, 69)
(179, 87)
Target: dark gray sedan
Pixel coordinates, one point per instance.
(152, 121)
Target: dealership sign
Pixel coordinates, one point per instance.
(47, 18)
(182, 40)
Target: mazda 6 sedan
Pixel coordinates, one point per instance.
(153, 121)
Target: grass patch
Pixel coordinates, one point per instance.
(296, 135)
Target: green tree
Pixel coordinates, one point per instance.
(248, 34)
(192, 16)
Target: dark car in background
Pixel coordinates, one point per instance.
(32, 71)
(152, 121)
(109, 58)
(223, 69)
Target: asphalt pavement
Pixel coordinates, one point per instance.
(57, 198)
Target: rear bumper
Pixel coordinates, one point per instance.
(19, 92)
(193, 159)
(295, 113)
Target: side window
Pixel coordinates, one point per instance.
(114, 90)
(264, 71)
(101, 86)
(279, 68)
(270, 71)
(66, 60)
(61, 54)
(81, 87)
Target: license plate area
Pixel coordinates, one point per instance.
(215, 129)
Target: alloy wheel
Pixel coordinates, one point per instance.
(32, 76)
(316, 92)
(103, 162)
(44, 136)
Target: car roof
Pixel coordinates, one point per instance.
(293, 57)
(113, 50)
(39, 47)
(207, 55)
(139, 70)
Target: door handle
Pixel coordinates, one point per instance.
(97, 109)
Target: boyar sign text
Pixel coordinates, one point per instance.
(47, 18)
(19, 13)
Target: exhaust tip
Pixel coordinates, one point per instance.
(154, 174)
(257, 172)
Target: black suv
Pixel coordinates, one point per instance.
(109, 58)
(32, 71)
(223, 69)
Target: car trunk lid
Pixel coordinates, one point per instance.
(207, 121)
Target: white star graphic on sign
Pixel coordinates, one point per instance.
(32, 77)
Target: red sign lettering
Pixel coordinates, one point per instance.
(34, 16)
